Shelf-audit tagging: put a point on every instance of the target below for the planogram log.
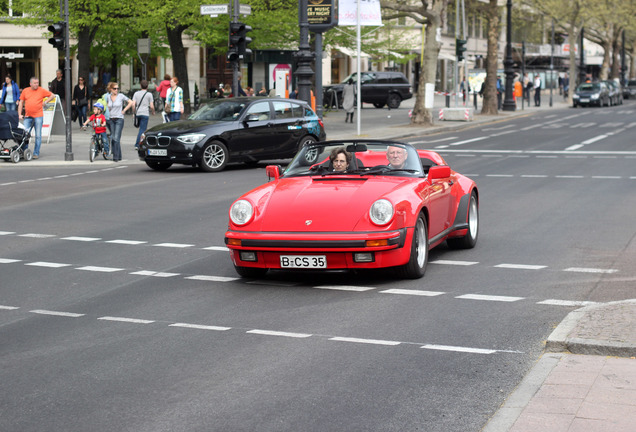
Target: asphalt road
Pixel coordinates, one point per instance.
(120, 309)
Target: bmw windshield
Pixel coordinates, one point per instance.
(220, 110)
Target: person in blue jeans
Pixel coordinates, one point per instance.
(10, 94)
(33, 99)
(143, 107)
(118, 104)
(174, 100)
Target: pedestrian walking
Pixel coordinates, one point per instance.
(32, 99)
(464, 88)
(163, 87)
(527, 87)
(566, 86)
(80, 100)
(348, 99)
(57, 87)
(500, 91)
(10, 94)
(143, 106)
(116, 108)
(537, 90)
(174, 100)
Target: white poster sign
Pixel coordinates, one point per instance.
(369, 12)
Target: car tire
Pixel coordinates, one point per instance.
(312, 157)
(214, 157)
(379, 105)
(250, 272)
(470, 239)
(394, 100)
(416, 267)
(158, 165)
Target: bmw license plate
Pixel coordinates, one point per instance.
(585, 100)
(157, 152)
(303, 261)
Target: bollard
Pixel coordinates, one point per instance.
(447, 100)
(475, 100)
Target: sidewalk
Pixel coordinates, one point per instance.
(586, 380)
(394, 124)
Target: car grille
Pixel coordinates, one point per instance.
(160, 141)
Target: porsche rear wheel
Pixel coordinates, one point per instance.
(250, 272)
(416, 267)
(470, 239)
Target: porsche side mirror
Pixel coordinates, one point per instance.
(438, 172)
(273, 171)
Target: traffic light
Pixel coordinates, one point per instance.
(244, 40)
(460, 48)
(59, 35)
(233, 42)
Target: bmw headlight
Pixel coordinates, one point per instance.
(191, 138)
(241, 212)
(595, 96)
(575, 96)
(381, 212)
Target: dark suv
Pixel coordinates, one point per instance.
(378, 88)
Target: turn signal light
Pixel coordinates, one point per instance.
(234, 242)
(376, 243)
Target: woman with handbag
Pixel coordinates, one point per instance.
(143, 105)
(118, 104)
(80, 100)
(174, 100)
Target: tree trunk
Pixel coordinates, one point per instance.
(422, 115)
(177, 50)
(607, 51)
(615, 69)
(575, 32)
(489, 106)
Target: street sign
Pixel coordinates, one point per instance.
(245, 9)
(143, 46)
(214, 9)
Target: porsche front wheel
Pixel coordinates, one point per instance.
(470, 239)
(416, 267)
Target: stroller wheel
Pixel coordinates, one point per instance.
(27, 154)
(15, 156)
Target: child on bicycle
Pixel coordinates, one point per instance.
(99, 124)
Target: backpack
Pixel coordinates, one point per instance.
(104, 101)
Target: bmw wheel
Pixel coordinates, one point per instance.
(470, 239)
(214, 157)
(416, 267)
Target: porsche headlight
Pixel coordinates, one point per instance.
(381, 212)
(190, 138)
(241, 212)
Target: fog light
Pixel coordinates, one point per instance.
(248, 256)
(363, 257)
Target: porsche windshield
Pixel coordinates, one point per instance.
(357, 158)
(221, 110)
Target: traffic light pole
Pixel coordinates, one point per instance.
(68, 155)
(235, 64)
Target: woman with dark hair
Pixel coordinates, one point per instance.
(10, 94)
(143, 107)
(80, 100)
(340, 159)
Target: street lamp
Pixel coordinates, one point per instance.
(509, 102)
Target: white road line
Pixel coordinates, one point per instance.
(3, 307)
(365, 341)
(212, 278)
(8, 184)
(468, 141)
(154, 273)
(457, 263)
(8, 261)
(47, 264)
(413, 292)
(56, 313)
(344, 288)
(500, 175)
(199, 327)
(36, 235)
(607, 177)
(570, 176)
(278, 333)
(128, 320)
(217, 248)
(82, 239)
(521, 266)
(574, 147)
(503, 133)
(593, 140)
(554, 302)
(6, 232)
(100, 269)
(498, 128)
(590, 270)
(433, 141)
(489, 298)
(534, 176)
(126, 242)
(458, 349)
(173, 245)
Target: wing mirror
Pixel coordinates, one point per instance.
(439, 172)
(273, 171)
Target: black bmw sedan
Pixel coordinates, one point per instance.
(244, 129)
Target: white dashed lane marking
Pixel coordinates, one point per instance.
(489, 298)
(413, 292)
(81, 239)
(344, 287)
(174, 245)
(99, 269)
(57, 313)
(47, 264)
(126, 320)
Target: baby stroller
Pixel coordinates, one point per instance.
(10, 130)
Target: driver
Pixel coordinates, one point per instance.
(396, 156)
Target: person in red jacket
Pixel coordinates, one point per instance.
(163, 87)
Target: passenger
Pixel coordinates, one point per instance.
(396, 156)
(340, 159)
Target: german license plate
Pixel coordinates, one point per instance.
(303, 261)
(585, 100)
(157, 152)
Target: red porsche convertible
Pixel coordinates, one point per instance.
(355, 204)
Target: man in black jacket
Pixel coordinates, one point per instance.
(57, 87)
